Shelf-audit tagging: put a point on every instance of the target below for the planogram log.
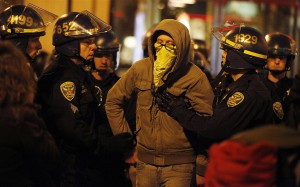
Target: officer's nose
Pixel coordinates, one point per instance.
(39, 45)
(277, 60)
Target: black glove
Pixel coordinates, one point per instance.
(169, 103)
(122, 143)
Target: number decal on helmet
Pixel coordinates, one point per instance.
(245, 38)
(65, 27)
(21, 20)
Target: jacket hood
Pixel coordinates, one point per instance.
(181, 37)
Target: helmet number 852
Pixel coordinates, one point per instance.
(66, 26)
(245, 38)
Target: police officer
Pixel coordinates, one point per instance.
(281, 54)
(106, 60)
(246, 103)
(105, 64)
(69, 102)
(24, 25)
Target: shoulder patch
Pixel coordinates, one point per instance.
(236, 99)
(278, 110)
(68, 90)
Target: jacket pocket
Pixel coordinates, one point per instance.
(144, 95)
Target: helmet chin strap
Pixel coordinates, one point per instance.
(104, 72)
(30, 59)
(226, 66)
(83, 60)
(276, 72)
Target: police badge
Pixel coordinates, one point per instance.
(68, 90)
(278, 110)
(236, 99)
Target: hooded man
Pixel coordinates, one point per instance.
(166, 156)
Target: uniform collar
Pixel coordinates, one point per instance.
(243, 82)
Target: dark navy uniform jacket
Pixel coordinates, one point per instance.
(280, 94)
(113, 162)
(68, 108)
(68, 104)
(245, 104)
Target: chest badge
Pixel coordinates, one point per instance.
(68, 90)
(278, 110)
(236, 99)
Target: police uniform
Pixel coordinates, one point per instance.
(108, 46)
(244, 101)
(105, 85)
(116, 168)
(280, 46)
(69, 111)
(280, 93)
(219, 85)
(69, 103)
(245, 104)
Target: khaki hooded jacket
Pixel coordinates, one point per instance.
(160, 139)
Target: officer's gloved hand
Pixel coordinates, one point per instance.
(169, 103)
(122, 143)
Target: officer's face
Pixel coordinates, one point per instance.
(33, 46)
(87, 48)
(276, 63)
(104, 62)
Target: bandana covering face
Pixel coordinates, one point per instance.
(163, 63)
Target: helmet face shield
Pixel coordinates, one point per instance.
(281, 46)
(247, 46)
(24, 20)
(46, 16)
(220, 32)
(84, 25)
(74, 26)
(108, 43)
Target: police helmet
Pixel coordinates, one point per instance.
(246, 47)
(19, 21)
(74, 26)
(200, 45)
(280, 44)
(108, 43)
(200, 53)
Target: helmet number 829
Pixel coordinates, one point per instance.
(245, 38)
